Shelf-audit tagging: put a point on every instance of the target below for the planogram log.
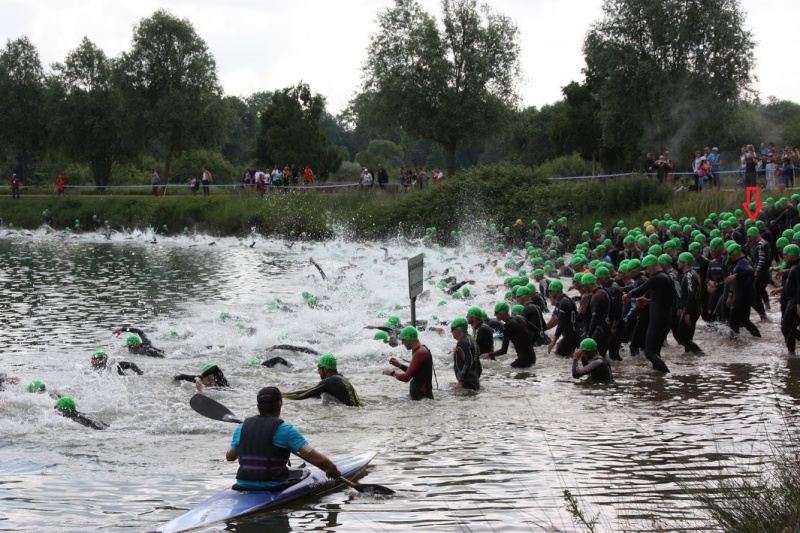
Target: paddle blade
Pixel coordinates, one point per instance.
(212, 409)
(367, 489)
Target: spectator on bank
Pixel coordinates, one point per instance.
(788, 153)
(438, 175)
(649, 164)
(713, 159)
(155, 179)
(194, 185)
(14, 186)
(206, 179)
(308, 175)
(366, 179)
(383, 177)
(663, 167)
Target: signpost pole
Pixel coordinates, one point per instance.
(414, 284)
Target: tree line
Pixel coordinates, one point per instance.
(668, 75)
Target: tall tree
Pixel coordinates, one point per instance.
(22, 101)
(667, 73)
(170, 82)
(88, 122)
(290, 132)
(446, 84)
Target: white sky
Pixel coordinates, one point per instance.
(271, 44)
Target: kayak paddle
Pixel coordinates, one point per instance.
(367, 488)
(211, 408)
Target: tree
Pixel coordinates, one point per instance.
(290, 132)
(447, 84)
(169, 79)
(22, 101)
(88, 122)
(667, 73)
(381, 151)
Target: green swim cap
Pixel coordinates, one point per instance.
(589, 345)
(686, 258)
(649, 260)
(578, 278)
(441, 303)
(253, 362)
(716, 242)
(509, 294)
(695, 247)
(753, 232)
(465, 292)
(100, 355)
(65, 404)
(655, 250)
(780, 243)
(223, 315)
(207, 366)
(792, 250)
(409, 333)
(588, 279)
(133, 340)
(239, 325)
(174, 333)
(328, 361)
(517, 309)
(381, 336)
(523, 292)
(602, 272)
(665, 260)
(35, 386)
(634, 264)
(393, 322)
(501, 307)
(476, 312)
(556, 285)
(736, 249)
(456, 295)
(459, 323)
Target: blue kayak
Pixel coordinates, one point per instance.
(231, 503)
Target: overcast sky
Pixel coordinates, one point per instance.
(271, 44)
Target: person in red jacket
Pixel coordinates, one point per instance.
(14, 186)
(308, 176)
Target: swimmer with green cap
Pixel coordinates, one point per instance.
(100, 362)
(139, 345)
(482, 332)
(67, 408)
(466, 357)
(419, 373)
(332, 384)
(518, 332)
(211, 376)
(587, 361)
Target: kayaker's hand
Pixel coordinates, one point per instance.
(333, 472)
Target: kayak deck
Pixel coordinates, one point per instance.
(231, 503)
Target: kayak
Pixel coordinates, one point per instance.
(231, 503)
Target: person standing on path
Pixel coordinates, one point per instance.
(15, 187)
(206, 180)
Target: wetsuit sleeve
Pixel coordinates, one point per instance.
(125, 365)
(508, 332)
(468, 359)
(184, 377)
(578, 371)
(642, 289)
(416, 362)
(314, 392)
(454, 288)
(139, 332)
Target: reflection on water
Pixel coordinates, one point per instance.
(495, 461)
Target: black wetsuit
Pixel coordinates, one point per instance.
(86, 420)
(484, 338)
(691, 306)
(419, 373)
(291, 348)
(761, 257)
(219, 377)
(742, 289)
(596, 369)
(336, 385)
(565, 330)
(700, 265)
(146, 347)
(467, 363)
(790, 296)
(517, 333)
(122, 366)
(537, 325)
(717, 272)
(662, 297)
(599, 319)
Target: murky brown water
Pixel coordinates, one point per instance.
(497, 461)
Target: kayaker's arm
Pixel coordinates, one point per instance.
(319, 460)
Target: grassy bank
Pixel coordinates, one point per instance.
(498, 194)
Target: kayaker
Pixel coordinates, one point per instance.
(100, 362)
(420, 372)
(139, 345)
(332, 383)
(263, 443)
(66, 406)
(211, 376)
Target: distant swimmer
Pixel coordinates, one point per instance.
(332, 383)
(100, 362)
(291, 348)
(66, 406)
(211, 376)
(321, 273)
(5, 379)
(139, 345)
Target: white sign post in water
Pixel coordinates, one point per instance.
(414, 284)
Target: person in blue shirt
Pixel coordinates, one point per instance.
(263, 444)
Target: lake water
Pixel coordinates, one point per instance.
(496, 461)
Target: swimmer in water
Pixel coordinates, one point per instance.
(100, 362)
(210, 376)
(66, 406)
(332, 383)
(139, 345)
